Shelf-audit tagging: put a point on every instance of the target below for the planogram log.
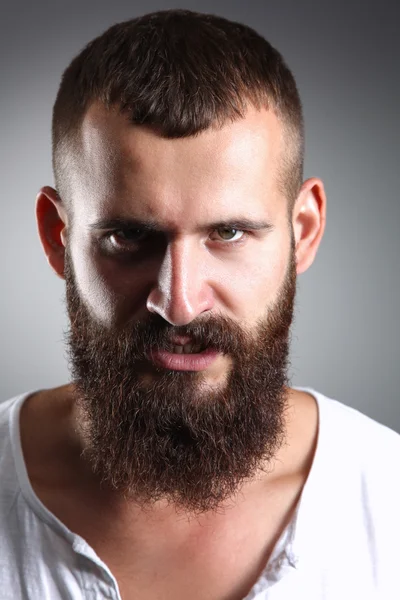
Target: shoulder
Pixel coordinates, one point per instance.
(362, 454)
(9, 453)
(355, 452)
(8, 411)
(367, 436)
(11, 457)
(352, 497)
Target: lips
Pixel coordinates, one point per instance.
(180, 361)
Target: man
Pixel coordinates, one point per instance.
(178, 463)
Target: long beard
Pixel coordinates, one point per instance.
(172, 436)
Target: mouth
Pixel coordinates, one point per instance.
(187, 348)
(185, 356)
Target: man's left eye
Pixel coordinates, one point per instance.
(229, 234)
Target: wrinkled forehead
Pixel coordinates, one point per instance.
(120, 161)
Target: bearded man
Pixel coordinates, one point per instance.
(178, 463)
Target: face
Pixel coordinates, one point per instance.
(188, 193)
(180, 246)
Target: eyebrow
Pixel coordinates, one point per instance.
(152, 226)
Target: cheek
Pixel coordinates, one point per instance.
(92, 288)
(112, 292)
(256, 284)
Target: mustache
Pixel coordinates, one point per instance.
(137, 338)
(219, 333)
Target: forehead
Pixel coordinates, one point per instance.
(123, 166)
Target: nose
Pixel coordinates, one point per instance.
(181, 292)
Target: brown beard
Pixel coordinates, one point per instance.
(174, 437)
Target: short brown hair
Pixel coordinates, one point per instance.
(180, 72)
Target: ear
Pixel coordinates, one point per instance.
(52, 223)
(308, 219)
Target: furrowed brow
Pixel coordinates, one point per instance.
(153, 226)
(124, 223)
(241, 224)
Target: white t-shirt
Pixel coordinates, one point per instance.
(342, 543)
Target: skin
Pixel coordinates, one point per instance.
(184, 186)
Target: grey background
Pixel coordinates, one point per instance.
(345, 57)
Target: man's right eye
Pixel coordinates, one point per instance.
(125, 239)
